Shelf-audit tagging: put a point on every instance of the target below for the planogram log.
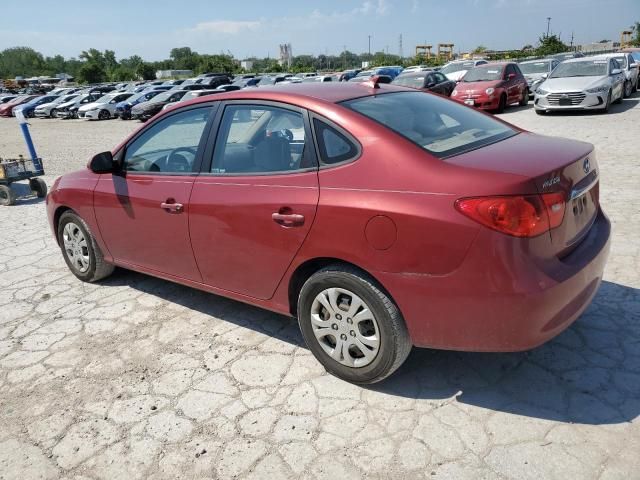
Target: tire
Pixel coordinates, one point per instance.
(503, 103)
(53, 113)
(627, 89)
(7, 196)
(524, 101)
(38, 187)
(86, 262)
(347, 285)
(104, 115)
(607, 105)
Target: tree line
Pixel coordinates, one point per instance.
(95, 66)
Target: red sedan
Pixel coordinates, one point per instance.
(7, 109)
(379, 216)
(492, 86)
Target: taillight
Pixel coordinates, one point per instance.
(517, 215)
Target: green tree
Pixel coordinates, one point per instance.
(548, 45)
(92, 72)
(480, 49)
(146, 71)
(23, 61)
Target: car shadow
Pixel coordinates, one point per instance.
(24, 194)
(587, 375)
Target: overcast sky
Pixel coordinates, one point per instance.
(247, 27)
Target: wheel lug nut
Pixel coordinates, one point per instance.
(343, 336)
(349, 320)
(338, 317)
(334, 326)
(352, 333)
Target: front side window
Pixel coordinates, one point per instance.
(168, 146)
(257, 139)
(441, 127)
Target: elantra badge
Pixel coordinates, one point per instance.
(551, 182)
(586, 166)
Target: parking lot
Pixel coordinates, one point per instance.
(136, 377)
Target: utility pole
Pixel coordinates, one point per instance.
(571, 40)
(369, 44)
(400, 52)
(548, 25)
(344, 57)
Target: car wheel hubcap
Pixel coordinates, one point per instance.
(345, 327)
(75, 247)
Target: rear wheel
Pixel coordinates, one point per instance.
(53, 113)
(80, 250)
(351, 326)
(503, 103)
(524, 101)
(38, 187)
(7, 196)
(104, 115)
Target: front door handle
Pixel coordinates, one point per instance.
(288, 219)
(170, 206)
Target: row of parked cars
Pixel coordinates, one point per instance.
(561, 82)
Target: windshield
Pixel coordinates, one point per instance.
(163, 97)
(484, 73)
(411, 81)
(441, 127)
(267, 81)
(583, 68)
(456, 67)
(66, 98)
(534, 67)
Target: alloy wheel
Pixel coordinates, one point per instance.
(76, 247)
(345, 327)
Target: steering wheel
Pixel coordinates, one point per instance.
(287, 133)
(174, 158)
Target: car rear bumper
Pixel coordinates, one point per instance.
(501, 299)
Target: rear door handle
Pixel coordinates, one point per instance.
(288, 219)
(172, 207)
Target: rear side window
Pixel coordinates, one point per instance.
(334, 146)
(441, 127)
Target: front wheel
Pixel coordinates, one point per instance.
(104, 115)
(524, 101)
(607, 105)
(80, 250)
(351, 326)
(53, 113)
(628, 88)
(503, 103)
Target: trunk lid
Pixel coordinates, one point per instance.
(552, 165)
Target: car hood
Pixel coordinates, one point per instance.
(477, 87)
(143, 107)
(89, 106)
(68, 104)
(571, 84)
(46, 105)
(532, 77)
(456, 76)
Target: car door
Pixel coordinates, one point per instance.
(143, 211)
(255, 201)
(510, 82)
(618, 79)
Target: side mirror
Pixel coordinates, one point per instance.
(102, 163)
(633, 65)
(616, 71)
(545, 75)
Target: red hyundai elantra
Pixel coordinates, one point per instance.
(380, 217)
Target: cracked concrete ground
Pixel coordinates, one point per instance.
(136, 377)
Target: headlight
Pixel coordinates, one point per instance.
(489, 91)
(599, 89)
(454, 93)
(540, 91)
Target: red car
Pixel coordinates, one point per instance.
(492, 86)
(7, 108)
(381, 217)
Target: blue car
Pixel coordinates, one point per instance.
(123, 109)
(29, 108)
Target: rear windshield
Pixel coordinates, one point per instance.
(441, 127)
(535, 67)
(412, 81)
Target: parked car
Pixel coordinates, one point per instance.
(190, 86)
(268, 80)
(227, 88)
(321, 79)
(104, 108)
(50, 109)
(536, 71)
(629, 67)
(101, 89)
(7, 98)
(349, 74)
(457, 69)
(28, 109)
(387, 71)
(123, 109)
(6, 109)
(247, 82)
(144, 111)
(566, 56)
(215, 81)
(417, 68)
(191, 94)
(428, 81)
(492, 86)
(581, 84)
(507, 264)
(371, 79)
(69, 109)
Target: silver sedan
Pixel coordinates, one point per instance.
(581, 84)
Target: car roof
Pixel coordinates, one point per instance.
(611, 55)
(303, 93)
(580, 59)
(539, 60)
